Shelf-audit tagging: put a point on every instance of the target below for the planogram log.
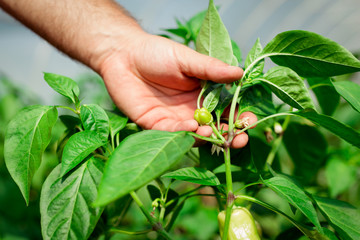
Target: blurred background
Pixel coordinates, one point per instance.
(24, 56)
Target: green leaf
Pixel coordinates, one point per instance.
(254, 53)
(66, 204)
(94, 118)
(289, 87)
(350, 91)
(180, 32)
(325, 93)
(212, 99)
(258, 100)
(307, 148)
(310, 54)
(26, 139)
(139, 159)
(344, 217)
(117, 121)
(77, 148)
(70, 122)
(295, 195)
(213, 39)
(340, 175)
(194, 175)
(225, 99)
(236, 51)
(343, 131)
(63, 85)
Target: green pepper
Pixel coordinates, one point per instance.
(242, 225)
(203, 116)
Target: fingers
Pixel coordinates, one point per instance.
(194, 64)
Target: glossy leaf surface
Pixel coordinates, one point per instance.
(94, 118)
(77, 148)
(139, 159)
(295, 195)
(194, 175)
(289, 87)
(350, 91)
(27, 137)
(344, 217)
(66, 204)
(310, 54)
(63, 85)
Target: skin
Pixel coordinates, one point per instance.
(153, 80)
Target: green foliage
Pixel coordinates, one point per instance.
(132, 164)
(94, 118)
(310, 55)
(107, 162)
(63, 85)
(194, 175)
(342, 216)
(307, 147)
(350, 92)
(27, 136)
(213, 39)
(289, 87)
(325, 93)
(78, 147)
(66, 203)
(295, 195)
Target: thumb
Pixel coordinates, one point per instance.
(194, 64)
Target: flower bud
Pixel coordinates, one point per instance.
(242, 225)
(242, 123)
(278, 128)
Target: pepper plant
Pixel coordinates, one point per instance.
(106, 159)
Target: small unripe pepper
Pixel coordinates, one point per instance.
(242, 225)
(203, 116)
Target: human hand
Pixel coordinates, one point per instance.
(155, 82)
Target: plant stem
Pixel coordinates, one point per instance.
(229, 190)
(116, 230)
(217, 133)
(232, 112)
(264, 119)
(276, 144)
(212, 140)
(246, 186)
(101, 157)
(183, 195)
(164, 192)
(155, 225)
(68, 108)
(200, 95)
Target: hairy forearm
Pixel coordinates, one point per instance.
(83, 29)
